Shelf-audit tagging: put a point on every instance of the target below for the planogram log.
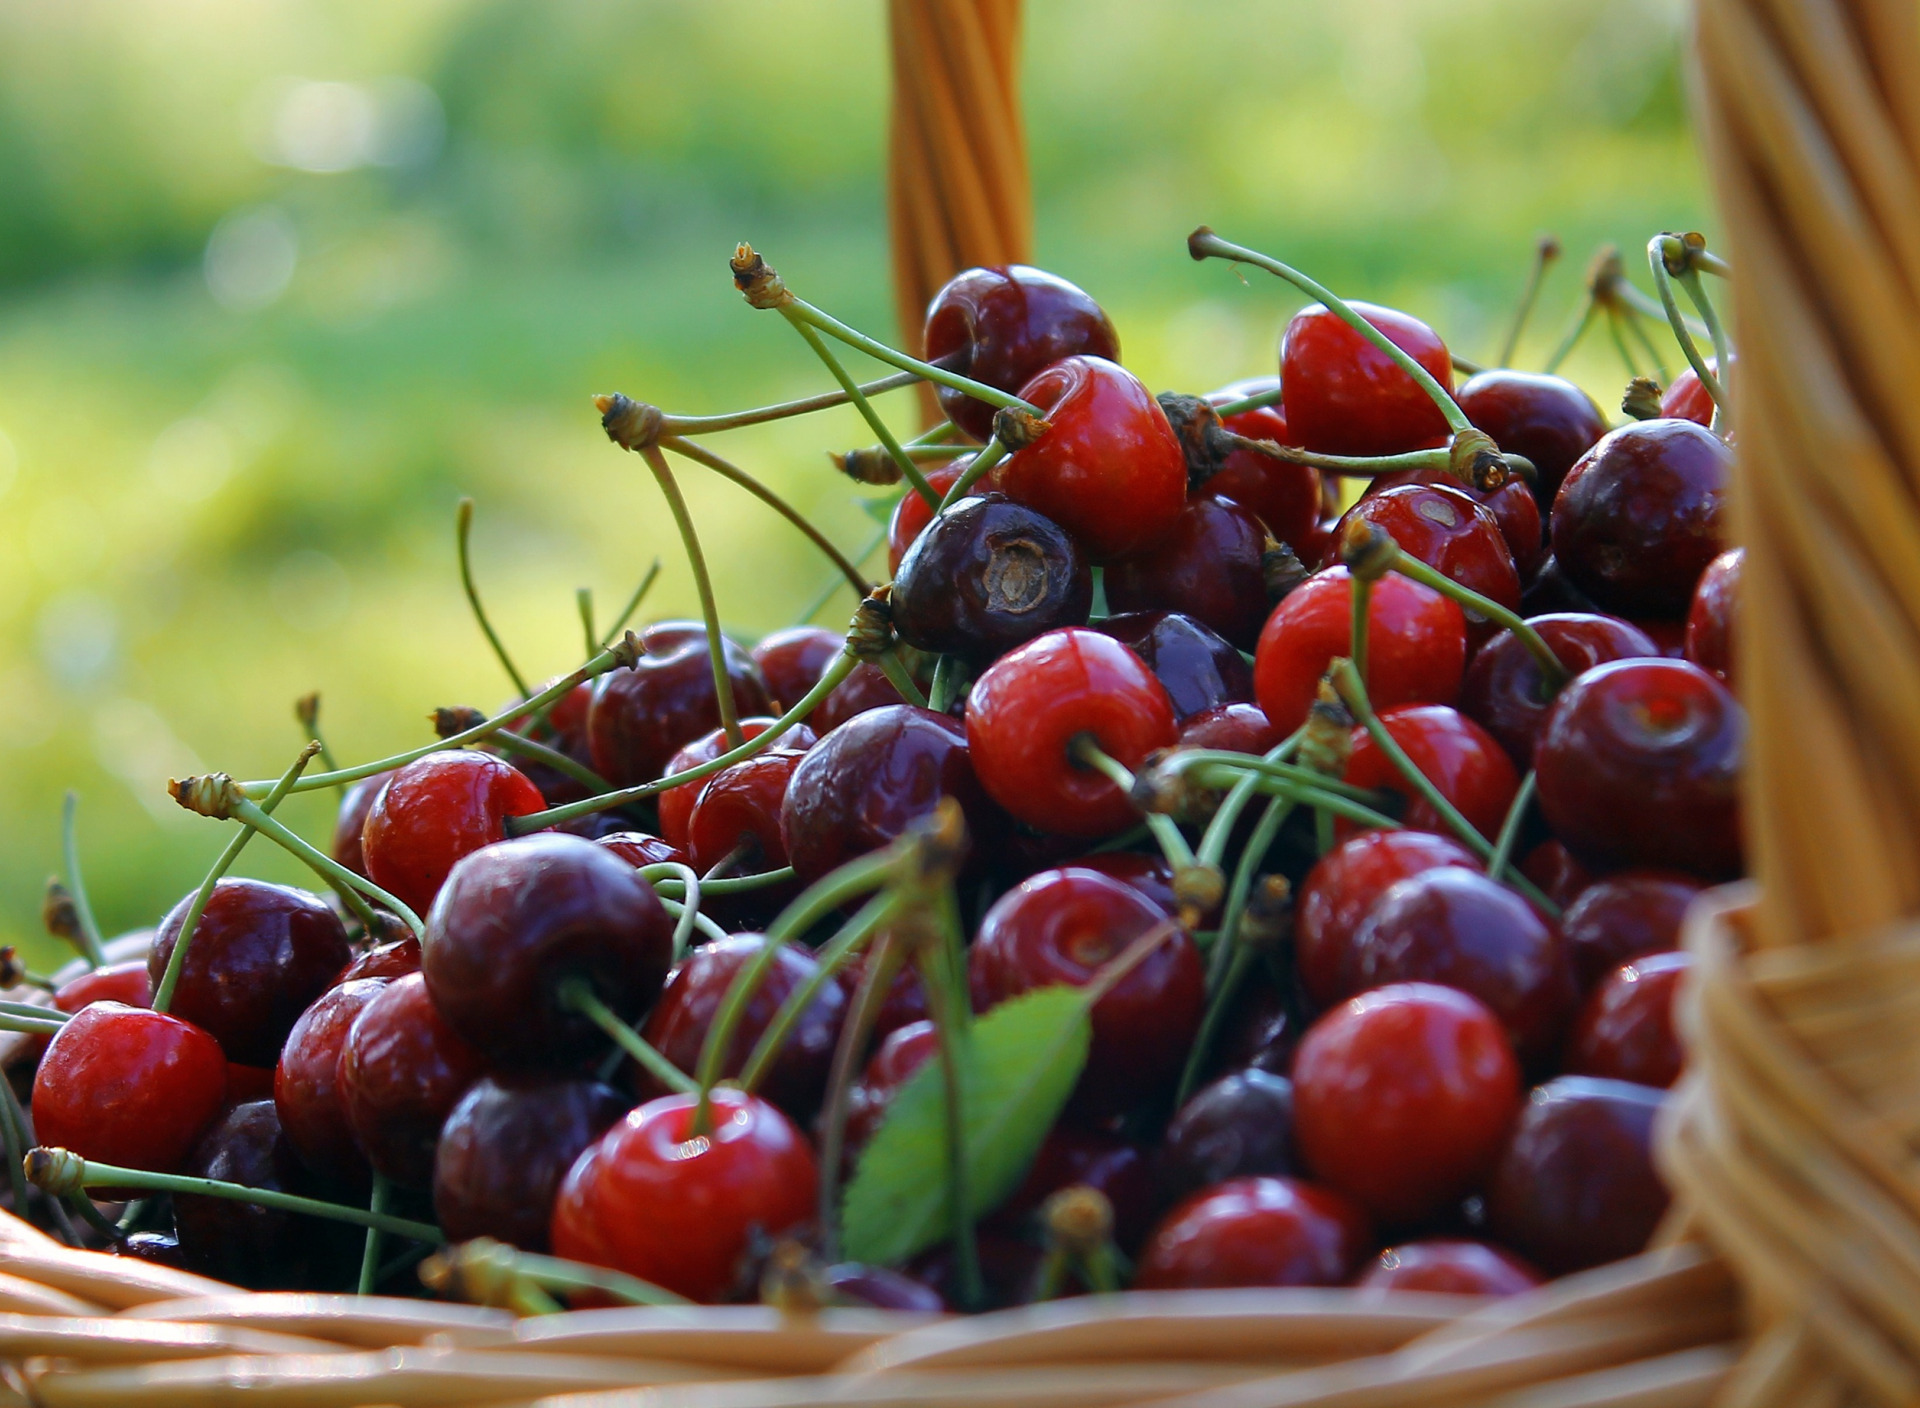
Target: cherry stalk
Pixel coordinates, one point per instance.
(306, 709)
(486, 1272)
(462, 531)
(87, 930)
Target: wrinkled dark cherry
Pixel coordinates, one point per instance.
(1001, 325)
(1206, 567)
(1238, 1127)
(791, 661)
(1199, 669)
(985, 576)
(259, 955)
(1547, 419)
(1061, 926)
(394, 960)
(117, 982)
(1560, 877)
(1231, 728)
(1512, 505)
(1640, 764)
(1624, 917)
(402, 1070)
(1256, 1232)
(517, 921)
(1458, 756)
(1576, 1184)
(1087, 1158)
(355, 803)
(1449, 1266)
(905, 1050)
(505, 1148)
(122, 1085)
(261, 1248)
(436, 810)
(676, 803)
(1460, 929)
(1346, 397)
(1342, 889)
(1504, 691)
(911, 514)
(640, 716)
(693, 996)
(1716, 603)
(1640, 516)
(1285, 497)
(1552, 592)
(869, 780)
(1450, 532)
(865, 687)
(1626, 1029)
(306, 1085)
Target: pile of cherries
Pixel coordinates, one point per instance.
(1417, 1072)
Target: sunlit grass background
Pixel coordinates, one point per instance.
(281, 280)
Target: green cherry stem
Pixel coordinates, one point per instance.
(912, 472)
(1219, 768)
(883, 964)
(90, 941)
(1259, 399)
(17, 1141)
(949, 1031)
(701, 455)
(703, 584)
(760, 415)
(1696, 291)
(898, 677)
(245, 810)
(1576, 330)
(1636, 323)
(1166, 831)
(1545, 250)
(583, 602)
(1552, 672)
(522, 746)
(689, 898)
(462, 531)
(1616, 328)
(949, 682)
(1501, 861)
(35, 1012)
(578, 994)
(688, 918)
(983, 464)
(668, 872)
(307, 710)
(493, 1273)
(45, 1024)
(633, 604)
(1666, 254)
(377, 1205)
(830, 959)
(1219, 832)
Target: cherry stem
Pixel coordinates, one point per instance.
(703, 584)
(760, 415)
(17, 1140)
(688, 918)
(983, 464)
(1257, 401)
(926, 371)
(462, 530)
(883, 963)
(668, 872)
(1218, 765)
(1545, 250)
(836, 581)
(1502, 858)
(245, 810)
(1203, 243)
(829, 960)
(911, 471)
(44, 1023)
(1353, 466)
(307, 710)
(689, 898)
(633, 605)
(701, 455)
(1697, 292)
(898, 677)
(949, 680)
(578, 994)
(1327, 803)
(1616, 327)
(1552, 672)
(1086, 750)
(1361, 596)
(949, 1029)
(90, 941)
(35, 1011)
(583, 601)
(521, 746)
(1664, 253)
(1575, 331)
(1635, 322)
(377, 1205)
(494, 1273)
(177, 960)
(1213, 842)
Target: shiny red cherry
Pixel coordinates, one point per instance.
(402, 1070)
(640, 716)
(306, 1084)
(1505, 692)
(1198, 667)
(1346, 397)
(1001, 325)
(1640, 765)
(1716, 603)
(126, 1086)
(1402, 1098)
(911, 515)
(1626, 1029)
(1560, 877)
(1025, 712)
(394, 960)
(1449, 1266)
(637, 848)
(904, 1051)
(738, 814)
(355, 802)
(1256, 1232)
(1285, 497)
(1416, 645)
(1241, 1126)
(436, 810)
(1456, 755)
(1624, 917)
(1151, 875)
(117, 982)
(1110, 470)
(1687, 398)
(1231, 728)
(1207, 567)
(676, 803)
(1450, 532)
(865, 687)
(1512, 505)
(1545, 418)
(791, 661)
(1342, 889)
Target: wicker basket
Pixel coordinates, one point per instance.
(1790, 1271)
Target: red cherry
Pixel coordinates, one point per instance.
(1626, 1029)
(676, 803)
(1687, 398)
(1346, 397)
(1232, 728)
(1199, 669)
(741, 807)
(865, 687)
(1450, 532)
(911, 515)
(123, 1085)
(1285, 497)
(684, 1209)
(248, 1084)
(125, 983)
(905, 1050)
(1458, 756)
(1001, 325)
(1151, 875)
(402, 1070)
(1560, 877)
(1241, 1126)
(436, 810)
(1416, 645)
(394, 960)
(1624, 917)
(247, 1244)
(1512, 506)
(1640, 765)
(1342, 889)
(306, 1085)
(1449, 1267)
(792, 661)
(1110, 471)
(574, 1231)
(1256, 1232)
(1026, 710)
(355, 802)
(1716, 602)
(1669, 637)
(1207, 567)
(1402, 1097)
(1504, 691)
(565, 729)
(1547, 419)
(637, 848)
(640, 716)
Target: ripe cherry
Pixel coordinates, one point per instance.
(1552, 591)
(244, 1243)
(306, 1084)
(1256, 1232)
(1626, 1029)
(1241, 1126)
(904, 1051)
(1416, 645)
(116, 982)
(865, 687)
(1716, 603)
(637, 848)
(640, 716)
(1232, 728)
(1449, 1266)
(1001, 325)
(1450, 532)
(1026, 711)
(1640, 765)
(985, 576)
(676, 803)
(791, 662)
(1576, 1185)
(1402, 1097)
(1110, 470)
(1199, 669)
(1687, 398)
(1560, 877)
(1151, 875)
(1545, 418)
(911, 514)
(1342, 889)
(1207, 567)
(123, 1085)
(1346, 397)
(259, 955)
(1640, 516)
(394, 960)
(1512, 505)
(1285, 497)
(737, 817)
(564, 729)
(1458, 756)
(574, 1231)
(402, 1070)
(1624, 917)
(355, 802)
(436, 810)
(1505, 692)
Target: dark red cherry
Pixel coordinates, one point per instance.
(1025, 712)
(117, 982)
(1545, 418)
(676, 803)
(505, 1148)
(1087, 1158)
(1151, 875)
(306, 1084)
(1110, 471)
(1402, 1097)
(1640, 765)
(1346, 397)
(1687, 398)
(1576, 1185)
(517, 922)
(248, 1083)
(641, 716)
(1061, 926)
(1285, 497)
(259, 955)
(1231, 728)
(1716, 604)
(1207, 567)
(1256, 1232)
(402, 1070)
(693, 997)
(244, 1243)
(985, 576)
(1199, 669)
(1512, 505)
(870, 780)
(355, 803)
(1552, 592)
(123, 1085)
(912, 513)
(1009, 1270)
(1342, 889)
(436, 810)
(738, 814)
(394, 960)
(1626, 1030)
(1001, 325)
(1449, 1266)
(1450, 532)
(1238, 1127)
(637, 848)
(1641, 515)
(1456, 755)
(1416, 645)
(1458, 928)
(791, 661)
(565, 730)
(865, 687)
(1504, 691)
(1260, 1032)
(904, 1051)
(1624, 917)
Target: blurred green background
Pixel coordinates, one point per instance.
(281, 280)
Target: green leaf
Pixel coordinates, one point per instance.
(880, 508)
(1018, 1066)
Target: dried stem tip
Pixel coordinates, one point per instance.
(56, 1171)
(1017, 428)
(871, 464)
(1367, 549)
(12, 971)
(1473, 457)
(940, 842)
(870, 634)
(481, 1272)
(1269, 913)
(306, 709)
(456, 719)
(1281, 570)
(630, 424)
(756, 279)
(210, 794)
(59, 914)
(1328, 741)
(1642, 399)
(1078, 1219)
